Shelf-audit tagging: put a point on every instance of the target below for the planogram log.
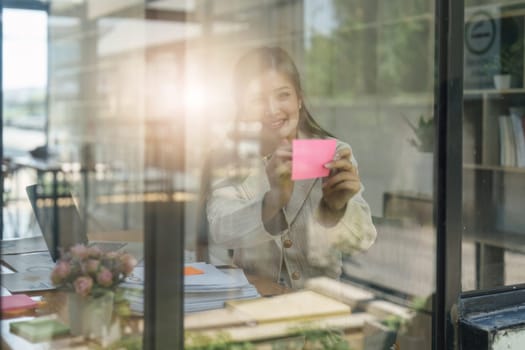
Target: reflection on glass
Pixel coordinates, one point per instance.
(126, 78)
(493, 144)
(282, 229)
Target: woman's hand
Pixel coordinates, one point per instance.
(342, 183)
(279, 172)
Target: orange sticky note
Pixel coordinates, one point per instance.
(190, 270)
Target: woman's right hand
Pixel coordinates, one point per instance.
(279, 172)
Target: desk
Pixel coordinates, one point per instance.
(56, 303)
(214, 324)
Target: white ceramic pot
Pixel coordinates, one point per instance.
(502, 81)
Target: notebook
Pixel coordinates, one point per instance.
(17, 302)
(70, 227)
(39, 329)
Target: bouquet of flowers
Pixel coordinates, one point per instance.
(90, 272)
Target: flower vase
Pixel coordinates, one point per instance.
(90, 316)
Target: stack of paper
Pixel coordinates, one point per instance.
(205, 287)
(134, 290)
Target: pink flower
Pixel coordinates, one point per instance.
(60, 272)
(91, 266)
(63, 269)
(112, 255)
(94, 252)
(128, 263)
(105, 277)
(79, 251)
(83, 285)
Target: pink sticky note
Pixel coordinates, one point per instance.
(309, 158)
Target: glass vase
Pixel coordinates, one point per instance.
(90, 316)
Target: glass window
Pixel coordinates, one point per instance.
(24, 79)
(273, 148)
(493, 144)
(366, 74)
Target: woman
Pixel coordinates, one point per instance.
(286, 230)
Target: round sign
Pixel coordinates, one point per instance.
(480, 32)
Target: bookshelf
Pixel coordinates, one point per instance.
(495, 168)
(493, 186)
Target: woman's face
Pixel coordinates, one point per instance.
(273, 100)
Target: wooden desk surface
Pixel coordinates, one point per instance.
(55, 302)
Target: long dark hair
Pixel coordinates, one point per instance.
(262, 59)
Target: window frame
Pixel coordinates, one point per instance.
(448, 112)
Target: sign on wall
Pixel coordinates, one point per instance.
(493, 44)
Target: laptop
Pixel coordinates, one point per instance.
(70, 228)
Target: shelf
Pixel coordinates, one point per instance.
(507, 169)
(508, 240)
(494, 91)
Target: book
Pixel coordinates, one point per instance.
(17, 302)
(343, 292)
(507, 142)
(217, 318)
(519, 137)
(303, 305)
(37, 330)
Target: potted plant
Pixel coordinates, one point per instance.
(505, 65)
(423, 139)
(90, 277)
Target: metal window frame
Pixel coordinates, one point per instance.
(448, 112)
(2, 119)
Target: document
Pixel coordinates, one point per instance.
(205, 287)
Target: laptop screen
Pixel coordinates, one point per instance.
(58, 219)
